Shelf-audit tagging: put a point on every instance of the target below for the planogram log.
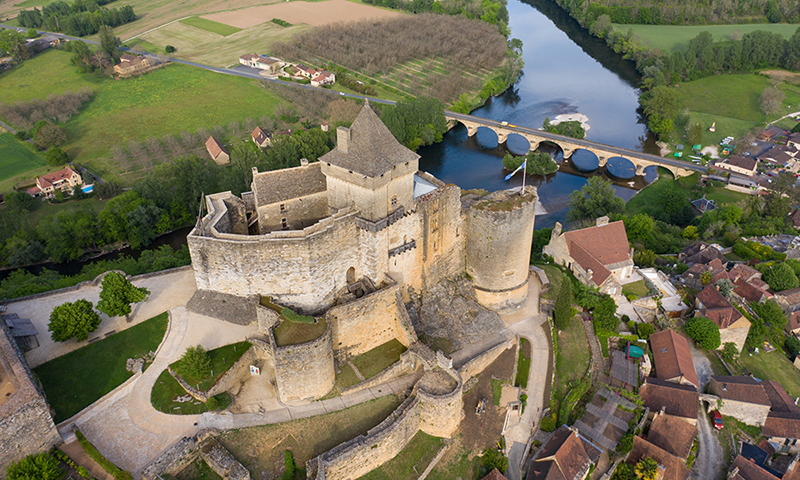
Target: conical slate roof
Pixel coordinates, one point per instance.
(373, 150)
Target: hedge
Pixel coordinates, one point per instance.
(98, 457)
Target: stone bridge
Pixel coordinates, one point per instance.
(569, 145)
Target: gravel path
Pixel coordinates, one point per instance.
(708, 464)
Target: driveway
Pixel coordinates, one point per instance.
(708, 463)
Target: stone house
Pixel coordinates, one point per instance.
(782, 427)
(130, 64)
(678, 401)
(794, 141)
(64, 179)
(736, 164)
(566, 455)
(789, 300)
(693, 277)
(262, 62)
(599, 256)
(672, 434)
(772, 134)
(672, 358)
(793, 325)
(743, 398)
(778, 155)
(670, 467)
(700, 253)
(217, 151)
(745, 469)
(321, 77)
(261, 138)
(733, 326)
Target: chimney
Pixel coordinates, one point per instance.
(255, 171)
(343, 139)
(602, 221)
(303, 162)
(556, 231)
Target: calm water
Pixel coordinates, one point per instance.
(566, 71)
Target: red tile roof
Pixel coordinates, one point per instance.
(794, 321)
(672, 434)
(744, 272)
(782, 425)
(49, 179)
(259, 135)
(717, 308)
(495, 475)
(674, 467)
(599, 248)
(563, 457)
(214, 147)
(739, 389)
(747, 291)
(672, 357)
(677, 400)
(747, 470)
(779, 400)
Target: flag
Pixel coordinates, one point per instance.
(508, 177)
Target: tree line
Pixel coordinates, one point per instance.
(53, 109)
(79, 18)
(416, 122)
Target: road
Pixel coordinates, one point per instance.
(708, 463)
(623, 152)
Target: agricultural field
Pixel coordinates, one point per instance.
(210, 26)
(676, 37)
(15, 159)
(169, 100)
(310, 13)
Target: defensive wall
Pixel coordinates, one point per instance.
(187, 450)
(499, 236)
(26, 426)
(306, 371)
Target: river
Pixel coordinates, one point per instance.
(566, 71)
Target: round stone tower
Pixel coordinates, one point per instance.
(499, 236)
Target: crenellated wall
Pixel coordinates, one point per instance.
(306, 371)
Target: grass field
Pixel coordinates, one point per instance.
(774, 366)
(647, 199)
(74, 381)
(259, 449)
(524, 363)
(46, 73)
(221, 360)
(15, 158)
(636, 288)
(572, 360)
(676, 37)
(167, 389)
(410, 462)
(210, 25)
(374, 361)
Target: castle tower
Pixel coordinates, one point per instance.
(369, 169)
(499, 236)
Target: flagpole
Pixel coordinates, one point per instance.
(524, 174)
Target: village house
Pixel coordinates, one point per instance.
(789, 300)
(703, 205)
(670, 467)
(672, 358)
(773, 134)
(746, 469)
(778, 155)
(64, 179)
(794, 141)
(130, 64)
(261, 138)
(700, 253)
(737, 164)
(793, 325)
(599, 256)
(678, 401)
(566, 455)
(794, 217)
(733, 326)
(672, 434)
(743, 398)
(217, 151)
(693, 278)
(262, 62)
(782, 427)
(322, 77)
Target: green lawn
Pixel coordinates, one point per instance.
(572, 360)
(15, 158)
(714, 95)
(647, 199)
(524, 364)
(774, 366)
(292, 333)
(676, 37)
(636, 288)
(210, 26)
(556, 276)
(221, 358)
(374, 361)
(169, 100)
(74, 381)
(410, 462)
(167, 389)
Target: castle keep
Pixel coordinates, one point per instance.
(361, 217)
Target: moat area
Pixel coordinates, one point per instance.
(566, 71)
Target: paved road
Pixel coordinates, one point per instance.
(708, 463)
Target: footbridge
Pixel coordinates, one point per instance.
(569, 145)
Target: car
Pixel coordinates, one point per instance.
(717, 418)
(341, 93)
(512, 125)
(505, 124)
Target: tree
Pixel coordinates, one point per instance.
(640, 227)
(39, 466)
(704, 331)
(117, 294)
(706, 277)
(645, 258)
(729, 352)
(539, 163)
(792, 344)
(644, 330)
(646, 469)
(73, 320)
(695, 134)
(18, 201)
(55, 156)
(170, 49)
(50, 135)
(541, 238)
(661, 107)
(493, 458)
(725, 287)
(605, 315)
(781, 277)
(12, 43)
(772, 100)
(595, 199)
(771, 314)
(195, 363)
(109, 43)
(690, 233)
(562, 311)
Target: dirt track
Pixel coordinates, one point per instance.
(316, 13)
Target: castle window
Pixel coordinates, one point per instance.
(284, 224)
(435, 246)
(283, 207)
(458, 231)
(394, 201)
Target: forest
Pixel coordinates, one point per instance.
(80, 18)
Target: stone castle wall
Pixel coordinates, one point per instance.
(305, 371)
(26, 426)
(299, 212)
(476, 365)
(444, 233)
(499, 235)
(365, 323)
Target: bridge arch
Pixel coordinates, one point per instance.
(584, 160)
(620, 167)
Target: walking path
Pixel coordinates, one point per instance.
(126, 428)
(709, 454)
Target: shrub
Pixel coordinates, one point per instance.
(98, 457)
(729, 351)
(40, 466)
(644, 330)
(493, 458)
(212, 404)
(562, 311)
(781, 277)
(548, 424)
(73, 320)
(295, 317)
(625, 444)
(170, 49)
(704, 331)
(291, 468)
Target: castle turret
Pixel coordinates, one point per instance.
(499, 236)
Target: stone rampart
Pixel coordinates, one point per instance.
(222, 462)
(477, 364)
(443, 234)
(407, 364)
(306, 371)
(177, 457)
(499, 235)
(26, 426)
(267, 318)
(239, 370)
